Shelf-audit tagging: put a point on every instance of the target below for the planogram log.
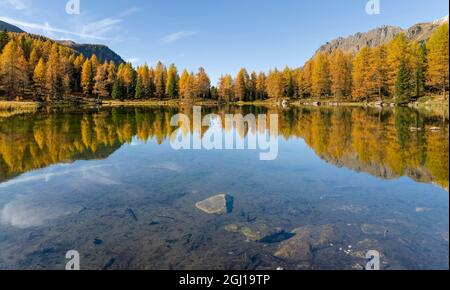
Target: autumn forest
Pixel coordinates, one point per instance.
(36, 68)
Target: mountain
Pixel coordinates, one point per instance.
(101, 51)
(382, 35)
(9, 27)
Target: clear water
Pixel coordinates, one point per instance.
(107, 183)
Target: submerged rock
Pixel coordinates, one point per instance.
(301, 246)
(370, 229)
(260, 233)
(423, 209)
(232, 228)
(218, 204)
(277, 237)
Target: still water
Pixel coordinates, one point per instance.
(107, 183)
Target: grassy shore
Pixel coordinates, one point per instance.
(431, 103)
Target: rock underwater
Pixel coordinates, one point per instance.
(218, 204)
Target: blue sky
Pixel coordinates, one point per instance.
(220, 35)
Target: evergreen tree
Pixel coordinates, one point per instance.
(139, 94)
(4, 39)
(160, 80)
(289, 83)
(420, 72)
(403, 85)
(172, 82)
(117, 90)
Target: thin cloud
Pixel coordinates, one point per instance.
(17, 4)
(133, 60)
(46, 27)
(99, 28)
(176, 36)
(130, 11)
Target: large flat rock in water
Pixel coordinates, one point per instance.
(306, 239)
(218, 204)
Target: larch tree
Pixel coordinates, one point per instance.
(226, 88)
(101, 81)
(203, 84)
(252, 84)
(193, 86)
(13, 69)
(275, 84)
(184, 85)
(321, 84)
(261, 86)
(240, 85)
(39, 78)
(87, 78)
(438, 61)
(398, 51)
(305, 85)
(361, 74)
(340, 74)
(378, 74)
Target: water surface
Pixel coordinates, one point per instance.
(107, 183)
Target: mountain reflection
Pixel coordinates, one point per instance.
(384, 143)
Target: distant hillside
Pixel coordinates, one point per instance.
(10, 28)
(101, 51)
(382, 35)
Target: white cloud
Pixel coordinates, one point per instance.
(99, 28)
(129, 11)
(25, 212)
(17, 4)
(133, 60)
(176, 36)
(46, 27)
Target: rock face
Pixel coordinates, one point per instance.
(218, 204)
(88, 50)
(382, 35)
(301, 246)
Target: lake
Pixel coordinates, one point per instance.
(108, 184)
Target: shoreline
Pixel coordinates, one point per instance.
(426, 103)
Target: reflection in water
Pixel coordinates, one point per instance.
(378, 142)
(107, 183)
